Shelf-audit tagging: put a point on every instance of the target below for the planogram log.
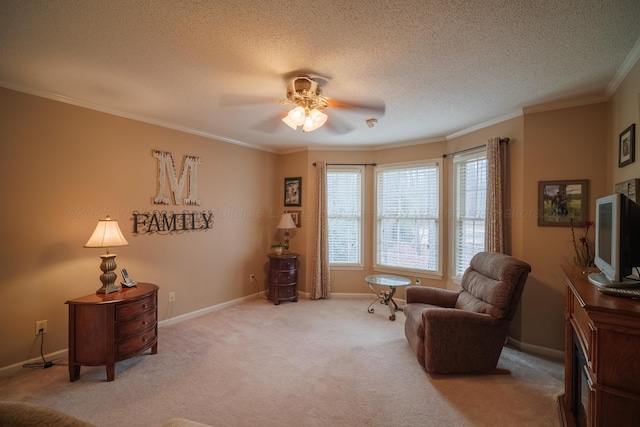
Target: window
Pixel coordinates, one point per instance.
(471, 204)
(407, 217)
(344, 210)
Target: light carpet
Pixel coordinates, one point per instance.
(308, 363)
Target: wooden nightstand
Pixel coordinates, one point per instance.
(283, 277)
(107, 328)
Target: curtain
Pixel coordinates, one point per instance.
(320, 278)
(496, 182)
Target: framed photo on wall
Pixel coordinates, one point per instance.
(295, 215)
(627, 149)
(563, 203)
(293, 191)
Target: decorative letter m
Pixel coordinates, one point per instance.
(167, 172)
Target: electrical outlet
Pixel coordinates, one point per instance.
(252, 277)
(172, 297)
(41, 325)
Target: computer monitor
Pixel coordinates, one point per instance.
(617, 243)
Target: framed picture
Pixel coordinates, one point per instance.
(563, 203)
(295, 215)
(293, 191)
(627, 153)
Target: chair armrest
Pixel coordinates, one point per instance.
(458, 319)
(433, 296)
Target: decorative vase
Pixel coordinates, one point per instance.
(278, 250)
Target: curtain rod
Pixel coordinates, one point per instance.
(349, 164)
(444, 156)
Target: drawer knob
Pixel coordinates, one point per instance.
(145, 306)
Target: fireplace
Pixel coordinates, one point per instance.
(579, 384)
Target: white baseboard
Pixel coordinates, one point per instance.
(61, 354)
(211, 309)
(536, 349)
(7, 371)
(12, 369)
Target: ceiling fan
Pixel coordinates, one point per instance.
(304, 92)
(306, 95)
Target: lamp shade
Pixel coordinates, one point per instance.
(107, 234)
(286, 222)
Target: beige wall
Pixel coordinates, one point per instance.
(64, 167)
(565, 144)
(291, 166)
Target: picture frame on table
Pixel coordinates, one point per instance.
(627, 146)
(293, 191)
(563, 203)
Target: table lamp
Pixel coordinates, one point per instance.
(106, 235)
(286, 223)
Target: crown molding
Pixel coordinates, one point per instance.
(409, 143)
(292, 150)
(504, 118)
(630, 61)
(115, 112)
(566, 103)
(624, 69)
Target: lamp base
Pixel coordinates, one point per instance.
(108, 289)
(108, 277)
(285, 243)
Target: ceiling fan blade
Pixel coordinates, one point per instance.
(337, 125)
(229, 100)
(269, 125)
(372, 105)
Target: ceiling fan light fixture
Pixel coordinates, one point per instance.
(305, 93)
(314, 120)
(289, 123)
(297, 115)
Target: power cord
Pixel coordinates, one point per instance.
(265, 296)
(254, 281)
(44, 363)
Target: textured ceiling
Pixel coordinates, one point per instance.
(440, 66)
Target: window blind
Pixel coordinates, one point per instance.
(344, 212)
(407, 209)
(471, 201)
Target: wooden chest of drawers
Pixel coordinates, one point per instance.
(283, 277)
(107, 328)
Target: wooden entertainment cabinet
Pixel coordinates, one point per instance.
(602, 356)
(107, 328)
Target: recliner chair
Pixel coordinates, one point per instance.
(463, 332)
